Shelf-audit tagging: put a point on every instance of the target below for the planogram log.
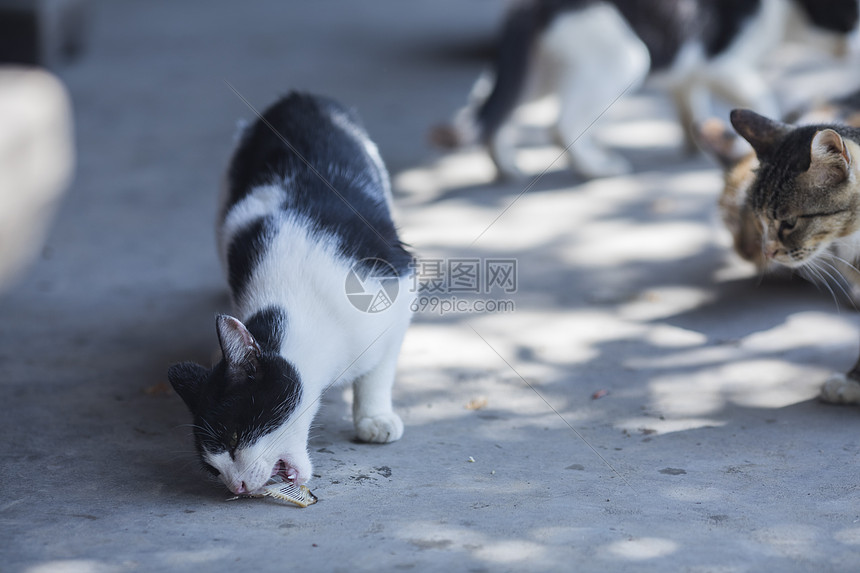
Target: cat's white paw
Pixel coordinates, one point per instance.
(380, 429)
(839, 389)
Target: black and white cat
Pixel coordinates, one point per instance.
(587, 53)
(306, 208)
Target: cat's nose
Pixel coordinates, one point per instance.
(239, 489)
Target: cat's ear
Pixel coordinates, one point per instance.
(717, 139)
(762, 133)
(186, 378)
(830, 160)
(237, 344)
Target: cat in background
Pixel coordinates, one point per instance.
(587, 53)
(739, 164)
(806, 194)
(306, 206)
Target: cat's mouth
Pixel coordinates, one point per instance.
(285, 471)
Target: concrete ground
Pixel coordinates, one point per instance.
(705, 449)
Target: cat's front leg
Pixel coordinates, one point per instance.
(692, 102)
(372, 413)
(843, 388)
(840, 389)
(579, 110)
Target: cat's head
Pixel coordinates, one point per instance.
(739, 164)
(247, 422)
(805, 189)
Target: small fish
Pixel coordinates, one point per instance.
(284, 491)
(298, 495)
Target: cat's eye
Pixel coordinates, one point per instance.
(211, 469)
(788, 224)
(234, 441)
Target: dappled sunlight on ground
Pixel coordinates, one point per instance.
(643, 548)
(684, 372)
(646, 133)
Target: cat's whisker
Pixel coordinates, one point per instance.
(822, 274)
(850, 265)
(843, 282)
(839, 276)
(811, 273)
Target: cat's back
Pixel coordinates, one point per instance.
(309, 139)
(666, 27)
(306, 189)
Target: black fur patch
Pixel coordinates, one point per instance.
(839, 16)
(316, 149)
(663, 26)
(721, 22)
(268, 326)
(523, 23)
(245, 252)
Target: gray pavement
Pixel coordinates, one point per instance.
(707, 452)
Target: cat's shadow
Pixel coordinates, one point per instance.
(499, 191)
(166, 458)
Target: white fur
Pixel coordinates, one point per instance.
(599, 57)
(328, 340)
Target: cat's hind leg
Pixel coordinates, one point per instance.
(372, 413)
(599, 58)
(503, 152)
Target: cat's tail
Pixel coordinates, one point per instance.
(494, 98)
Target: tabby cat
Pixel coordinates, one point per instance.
(739, 163)
(806, 195)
